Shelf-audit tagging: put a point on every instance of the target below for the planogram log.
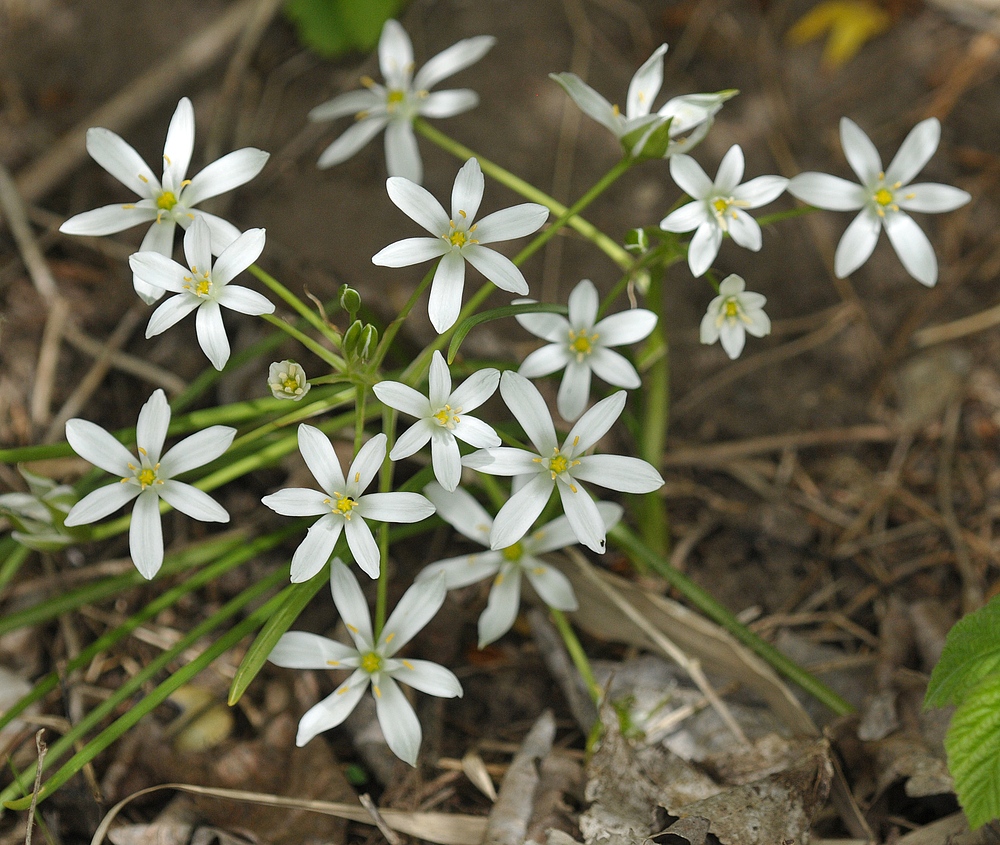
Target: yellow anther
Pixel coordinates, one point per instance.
(576, 442)
(464, 215)
(290, 384)
(558, 465)
(332, 662)
(393, 99)
(390, 637)
(377, 691)
(447, 417)
(407, 664)
(732, 308)
(615, 110)
(720, 205)
(142, 178)
(580, 343)
(344, 505)
(513, 553)
(166, 158)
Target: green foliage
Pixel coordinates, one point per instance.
(968, 675)
(331, 28)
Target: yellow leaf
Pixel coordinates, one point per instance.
(848, 24)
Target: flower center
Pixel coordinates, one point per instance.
(731, 309)
(447, 417)
(393, 99)
(145, 476)
(724, 208)
(559, 463)
(343, 505)
(883, 196)
(291, 385)
(513, 553)
(371, 662)
(581, 344)
(200, 284)
(166, 201)
(460, 237)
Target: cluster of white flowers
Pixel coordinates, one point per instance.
(580, 344)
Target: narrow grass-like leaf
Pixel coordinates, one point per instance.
(228, 561)
(469, 323)
(12, 557)
(973, 746)
(150, 702)
(971, 653)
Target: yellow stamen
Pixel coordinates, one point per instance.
(344, 505)
(447, 417)
(166, 201)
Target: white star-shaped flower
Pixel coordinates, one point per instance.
(342, 504)
(506, 566)
(204, 286)
(580, 345)
(691, 114)
(147, 478)
(404, 97)
(718, 206)
(458, 239)
(167, 202)
(733, 313)
(883, 197)
(442, 416)
(562, 467)
(374, 662)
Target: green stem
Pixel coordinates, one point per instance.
(317, 349)
(638, 550)
(384, 486)
(656, 418)
(298, 305)
(577, 654)
(394, 327)
(609, 247)
(361, 396)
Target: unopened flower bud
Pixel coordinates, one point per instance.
(350, 300)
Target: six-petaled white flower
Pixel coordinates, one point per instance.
(167, 202)
(147, 478)
(204, 286)
(458, 239)
(691, 114)
(580, 345)
(287, 380)
(404, 97)
(563, 467)
(460, 510)
(442, 416)
(373, 661)
(718, 206)
(342, 504)
(883, 197)
(733, 313)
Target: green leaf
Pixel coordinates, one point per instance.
(334, 27)
(971, 653)
(973, 746)
(468, 324)
(293, 600)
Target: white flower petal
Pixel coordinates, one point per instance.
(528, 407)
(447, 103)
(239, 255)
(476, 389)
(446, 459)
(686, 218)
(245, 301)
(232, 170)
(467, 193)
(353, 139)
(760, 191)
(583, 304)
(583, 516)
(502, 460)
(856, 244)
(418, 204)
(625, 327)
(94, 444)
(402, 156)
(297, 501)
(932, 197)
(417, 606)
(333, 709)
(158, 270)
(704, 247)
(101, 503)
(178, 146)
(554, 328)
(501, 606)
(399, 723)
(476, 433)
(151, 428)
(438, 381)
(411, 441)
(732, 336)
(757, 323)
(191, 501)
(860, 152)
(342, 105)
(689, 177)
(552, 586)
(429, 677)
(593, 425)
(915, 151)
(301, 650)
(145, 534)
(395, 55)
(121, 160)
(517, 221)
(912, 247)
(645, 85)
(617, 472)
(222, 232)
(320, 457)
(212, 333)
(403, 398)
(410, 251)
(574, 390)
(496, 267)
(363, 547)
(351, 604)
(394, 507)
(315, 549)
(559, 533)
(198, 246)
(107, 220)
(448, 62)
(367, 463)
(589, 101)
(542, 362)
(615, 369)
(466, 569)
(825, 191)
(462, 512)
(520, 512)
(745, 231)
(445, 301)
(730, 171)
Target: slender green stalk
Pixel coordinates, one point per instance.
(360, 397)
(317, 349)
(13, 555)
(656, 418)
(389, 417)
(638, 550)
(577, 654)
(396, 324)
(609, 247)
(298, 305)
